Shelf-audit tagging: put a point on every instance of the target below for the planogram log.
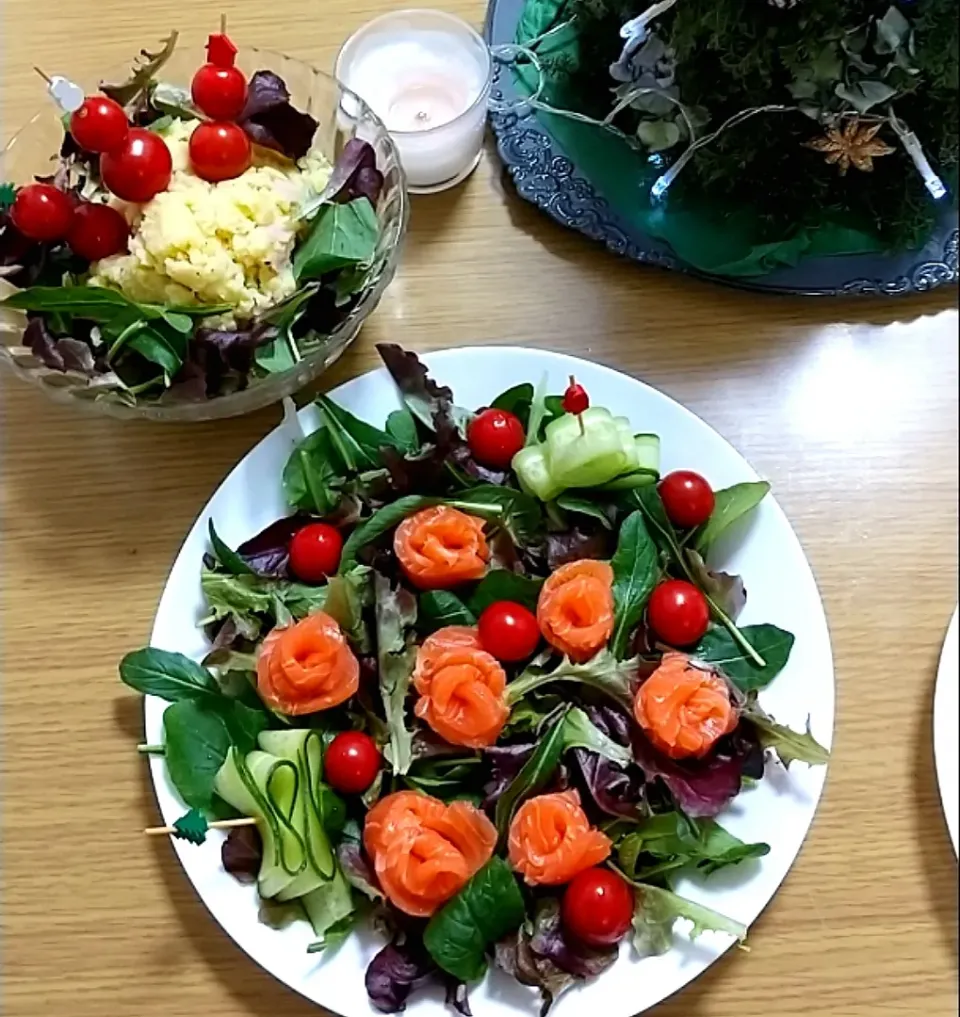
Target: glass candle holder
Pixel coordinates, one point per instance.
(427, 75)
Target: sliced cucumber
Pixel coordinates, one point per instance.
(267, 787)
(330, 903)
(647, 447)
(530, 466)
(587, 457)
(629, 481)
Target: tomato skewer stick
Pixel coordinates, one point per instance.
(576, 400)
(217, 824)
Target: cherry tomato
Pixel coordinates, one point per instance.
(97, 232)
(678, 613)
(220, 92)
(352, 762)
(42, 212)
(315, 552)
(597, 908)
(575, 399)
(495, 437)
(687, 497)
(99, 125)
(219, 151)
(140, 168)
(508, 631)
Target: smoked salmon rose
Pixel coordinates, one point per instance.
(424, 851)
(441, 547)
(307, 667)
(575, 608)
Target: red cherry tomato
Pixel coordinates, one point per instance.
(352, 762)
(315, 552)
(140, 168)
(495, 437)
(99, 125)
(508, 631)
(597, 908)
(678, 613)
(575, 399)
(97, 232)
(687, 497)
(220, 92)
(219, 151)
(42, 212)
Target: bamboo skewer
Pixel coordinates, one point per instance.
(219, 824)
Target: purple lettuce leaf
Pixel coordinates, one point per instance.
(242, 852)
(506, 761)
(270, 120)
(355, 174)
(572, 545)
(59, 354)
(395, 972)
(268, 552)
(615, 791)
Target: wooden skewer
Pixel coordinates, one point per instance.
(223, 24)
(219, 824)
(46, 77)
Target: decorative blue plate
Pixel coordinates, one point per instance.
(544, 175)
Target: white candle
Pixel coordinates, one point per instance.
(427, 76)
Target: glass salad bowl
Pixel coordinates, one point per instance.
(342, 116)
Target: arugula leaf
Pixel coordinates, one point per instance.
(636, 569)
(226, 556)
(192, 826)
(99, 303)
(152, 346)
(603, 672)
(145, 69)
(488, 908)
(341, 235)
(578, 505)
(310, 477)
(674, 841)
(657, 912)
(500, 584)
(719, 649)
(197, 744)
(396, 614)
(171, 676)
(382, 521)
(516, 513)
(731, 504)
(789, 745)
(401, 425)
(439, 608)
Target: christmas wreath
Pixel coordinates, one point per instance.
(749, 134)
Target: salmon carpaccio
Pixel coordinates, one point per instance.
(440, 547)
(551, 840)
(424, 851)
(307, 667)
(461, 688)
(684, 708)
(575, 608)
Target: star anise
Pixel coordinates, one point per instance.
(857, 145)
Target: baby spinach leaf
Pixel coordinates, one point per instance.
(310, 477)
(402, 427)
(516, 400)
(731, 504)
(615, 678)
(578, 505)
(439, 608)
(789, 745)
(196, 743)
(718, 648)
(152, 346)
(503, 585)
(636, 569)
(226, 556)
(382, 521)
(657, 912)
(534, 775)
(340, 236)
(396, 614)
(358, 441)
(171, 676)
(488, 908)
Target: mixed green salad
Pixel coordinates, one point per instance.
(479, 685)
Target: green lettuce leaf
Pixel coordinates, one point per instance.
(615, 678)
(396, 614)
(657, 912)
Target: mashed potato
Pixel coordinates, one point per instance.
(225, 243)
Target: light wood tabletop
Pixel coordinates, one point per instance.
(850, 408)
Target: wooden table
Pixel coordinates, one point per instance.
(849, 408)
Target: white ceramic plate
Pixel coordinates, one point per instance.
(946, 728)
(782, 591)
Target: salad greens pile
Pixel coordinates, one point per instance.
(117, 349)
(571, 725)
